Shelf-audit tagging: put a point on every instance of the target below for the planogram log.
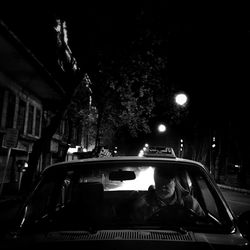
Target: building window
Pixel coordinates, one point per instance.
(21, 116)
(10, 110)
(30, 119)
(38, 122)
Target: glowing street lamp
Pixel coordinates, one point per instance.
(181, 99)
(162, 128)
(181, 148)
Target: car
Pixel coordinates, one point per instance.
(159, 151)
(112, 203)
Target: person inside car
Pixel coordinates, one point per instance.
(167, 192)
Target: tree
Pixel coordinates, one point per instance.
(126, 90)
(70, 78)
(131, 89)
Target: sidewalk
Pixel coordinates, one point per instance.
(241, 190)
(9, 190)
(232, 183)
(10, 196)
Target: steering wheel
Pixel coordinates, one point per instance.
(174, 213)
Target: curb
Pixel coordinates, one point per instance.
(241, 190)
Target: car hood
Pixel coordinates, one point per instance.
(126, 239)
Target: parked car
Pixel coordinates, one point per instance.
(115, 203)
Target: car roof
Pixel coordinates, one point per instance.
(124, 159)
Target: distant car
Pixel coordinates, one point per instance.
(96, 203)
(159, 151)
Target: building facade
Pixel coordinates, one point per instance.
(20, 111)
(28, 97)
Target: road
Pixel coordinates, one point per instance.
(239, 202)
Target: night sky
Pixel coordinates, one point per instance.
(208, 62)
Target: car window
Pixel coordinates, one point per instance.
(123, 195)
(39, 204)
(208, 198)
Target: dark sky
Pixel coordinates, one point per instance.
(209, 62)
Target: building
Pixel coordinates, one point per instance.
(28, 97)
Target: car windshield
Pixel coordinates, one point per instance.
(119, 195)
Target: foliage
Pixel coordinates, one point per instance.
(126, 91)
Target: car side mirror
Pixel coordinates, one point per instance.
(244, 224)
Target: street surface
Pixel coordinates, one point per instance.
(239, 202)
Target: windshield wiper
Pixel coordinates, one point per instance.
(178, 229)
(213, 219)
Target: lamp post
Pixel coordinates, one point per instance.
(181, 100)
(161, 130)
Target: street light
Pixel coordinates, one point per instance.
(181, 148)
(162, 128)
(181, 99)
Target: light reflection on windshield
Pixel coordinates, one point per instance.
(143, 180)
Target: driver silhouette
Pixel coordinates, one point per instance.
(167, 192)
